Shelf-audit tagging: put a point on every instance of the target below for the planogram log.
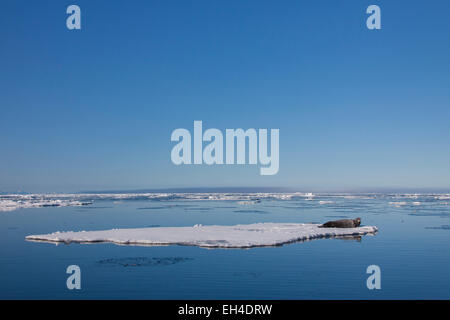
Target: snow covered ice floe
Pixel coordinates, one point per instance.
(237, 236)
(11, 205)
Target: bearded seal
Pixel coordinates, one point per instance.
(344, 223)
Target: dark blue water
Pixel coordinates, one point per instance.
(411, 248)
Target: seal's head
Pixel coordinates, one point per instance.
(357, 222)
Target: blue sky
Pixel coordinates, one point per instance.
(95, 108)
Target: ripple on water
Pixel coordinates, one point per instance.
(443, 227)
(250, 211)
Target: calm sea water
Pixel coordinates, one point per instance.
(411, 248)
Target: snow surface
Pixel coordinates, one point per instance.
(238, 236)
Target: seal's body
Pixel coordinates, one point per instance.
(344, 223)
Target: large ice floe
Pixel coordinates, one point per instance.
(237, 236)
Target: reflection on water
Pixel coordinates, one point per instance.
(443, 227)
(143, 261)
(350, 238)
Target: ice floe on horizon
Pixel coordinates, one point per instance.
(10, 202)
(11, 205)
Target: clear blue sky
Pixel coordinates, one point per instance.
(94, 109)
